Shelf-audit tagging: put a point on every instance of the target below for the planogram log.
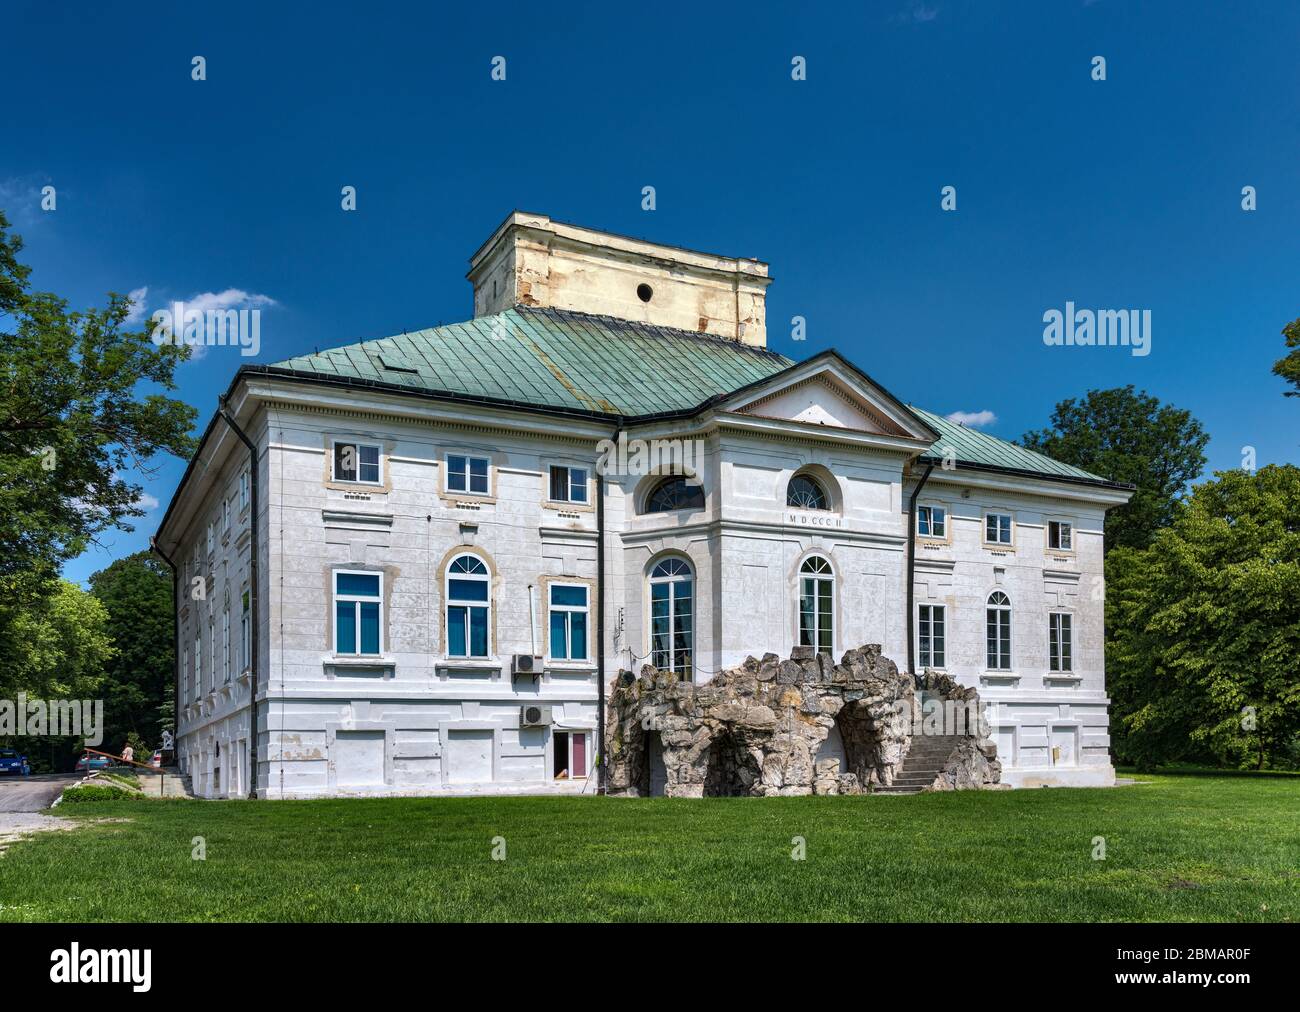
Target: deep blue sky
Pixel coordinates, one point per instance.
(1117, 194)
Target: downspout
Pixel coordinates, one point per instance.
(911, 571)
(176, 649)
(600, 618)
(253, 602)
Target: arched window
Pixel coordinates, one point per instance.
(816, 604)
(805, 493)
(469, 607)
(999, 632)
(672, 631)
(675, 494)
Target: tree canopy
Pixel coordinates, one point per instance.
(1289, 367)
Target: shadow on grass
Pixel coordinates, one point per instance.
(1206, 771)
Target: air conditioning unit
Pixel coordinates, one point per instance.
(534, 716)
(525, 664)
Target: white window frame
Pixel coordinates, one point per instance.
(356, 600)
(449, 603)
(357, 444)
(185, 673)
(1010, 529)
(684, 671)
(927, 512)
(212, 650)
(568, 765)
(925, 619)
(569, 484)
(1004, 660)
(198, 661)
(245, 630)
(1060, 627)
(225, 642)
(212, 536)
(244, 479)
(826, 576)
(568, 610)
(1063, 527)
(469, 459)
(225, 515)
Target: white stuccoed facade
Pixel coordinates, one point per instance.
(411, 718)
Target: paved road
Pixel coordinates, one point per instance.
(31, 794)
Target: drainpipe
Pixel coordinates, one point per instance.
(253, 602)
(600, 618)
(176, 650)
(911, 571)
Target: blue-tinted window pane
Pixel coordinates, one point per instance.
(369, 627)
(573, 596)
(345, 628)
(456, 631)
(456, 473)
(478, 482)
(358, 584)
(559, 646)
(578, 635)
(369, 457)
(467, 590)
(478, 632)
(659, 592)
(578, 484)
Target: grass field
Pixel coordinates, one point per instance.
(1177, 848)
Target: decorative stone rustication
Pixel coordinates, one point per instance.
(771, 727)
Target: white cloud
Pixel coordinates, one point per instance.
(916, 12)
(973, 419)
(146, 501)
(231, 298)
(138, 308)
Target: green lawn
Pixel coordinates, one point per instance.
(1178, 848)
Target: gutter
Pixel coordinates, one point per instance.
(911, 570)
(176, 649)
(253, 599)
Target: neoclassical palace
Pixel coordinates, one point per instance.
(415, 565)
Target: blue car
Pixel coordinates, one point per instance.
(12, 762)
(91, 761)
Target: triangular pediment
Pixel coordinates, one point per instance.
(829, 392)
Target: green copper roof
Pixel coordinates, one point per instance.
(600, 365)
(974, 447)
(554, 359)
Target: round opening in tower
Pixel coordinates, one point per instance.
(644, 292)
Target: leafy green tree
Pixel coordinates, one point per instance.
(82, 401)
(136, 593)
(1204, 660)
(1289, 367)
(1131, 437)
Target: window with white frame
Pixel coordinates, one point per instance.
(816, 604)
(467, 474)
(997, 528)
(931, 522)
(672, 631)
(212, 536)
(185, 674)
(198, 664)
(245, 633)
(212, 652)
(930, 636)
(1059, 641)
(569, 754)
(568, 621)
(225, 643)
(568, 484)
(225, 516)
(998, 632)
(358, 613)
(1060, 535)
(469, 607)
(243, 490)
(356, 462)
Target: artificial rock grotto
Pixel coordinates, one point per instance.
(800, 726)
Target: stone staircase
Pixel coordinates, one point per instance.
(925, 758)
(170, 784)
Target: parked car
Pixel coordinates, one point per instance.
(12, 762)
(90, 761)
(155, 760)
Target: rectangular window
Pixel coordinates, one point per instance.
(569, 761)
(931, 636)
(467, 616)
(243, 491)
(357, 462)
(1060, 535)
(212, 654)
(568, 484)
(1059, 645)
(225, 644)
(568, 610)
(358, 605)
(467, 474)
(997, 528)
(999, 639)
(198, 665)
(245, 634)
(931, 521)
(185, 674)
(225, 516)
(212, 536)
